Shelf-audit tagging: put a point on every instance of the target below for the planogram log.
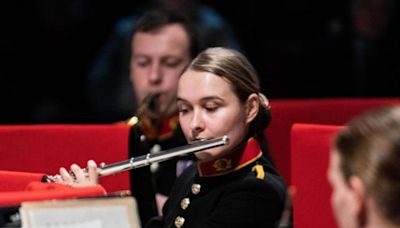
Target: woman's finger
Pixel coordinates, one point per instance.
(66, 178)
(93, 172)
(80, 176)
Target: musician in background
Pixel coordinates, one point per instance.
(109, 92)
(163, 44)
(233, 185)
(364, 171)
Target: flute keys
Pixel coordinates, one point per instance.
(179, 221)
(155, 150)
(196, 189)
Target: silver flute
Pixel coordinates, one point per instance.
(148, 159)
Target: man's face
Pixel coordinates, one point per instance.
(157, 61)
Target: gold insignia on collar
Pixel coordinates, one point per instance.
(223, 164)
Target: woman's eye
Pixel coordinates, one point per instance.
(211, 108)
(183, 110)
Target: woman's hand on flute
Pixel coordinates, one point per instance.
(79, 177)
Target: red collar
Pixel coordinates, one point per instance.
(165, 130)
(231, 162)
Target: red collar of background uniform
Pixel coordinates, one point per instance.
(160, 132)
(231, 162)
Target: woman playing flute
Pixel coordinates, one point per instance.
(233, 185)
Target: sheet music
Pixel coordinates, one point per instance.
(89, 213)
(86, 224)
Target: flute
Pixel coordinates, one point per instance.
(148, 159)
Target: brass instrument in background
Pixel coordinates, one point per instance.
(148, 159)
(147, 107)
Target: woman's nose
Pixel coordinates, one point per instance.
(197, 123)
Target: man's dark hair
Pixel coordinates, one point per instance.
(160, 17)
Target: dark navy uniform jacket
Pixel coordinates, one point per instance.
(240, 190)
(144, 183)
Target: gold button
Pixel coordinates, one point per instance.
(179, 221)
(196, 189)
(185, 203)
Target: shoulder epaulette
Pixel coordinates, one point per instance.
(259, 170)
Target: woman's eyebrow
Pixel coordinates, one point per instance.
(203, 99)
(211, 98)
(180, 99)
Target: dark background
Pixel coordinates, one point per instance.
(299, 48)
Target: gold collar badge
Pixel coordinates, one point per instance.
(223, 164)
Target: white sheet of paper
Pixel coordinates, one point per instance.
(84, 213)
(85, 224)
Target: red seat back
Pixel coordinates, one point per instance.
(18, 187)
(46, 148)
(286, 112)
(309, 160)
(17, 181)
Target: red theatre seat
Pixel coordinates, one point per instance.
(309, 160)
(286, 112)
(17, 181)
(18, 187)
(46, 148)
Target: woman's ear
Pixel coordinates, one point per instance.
(252, 106)
(359, 199)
